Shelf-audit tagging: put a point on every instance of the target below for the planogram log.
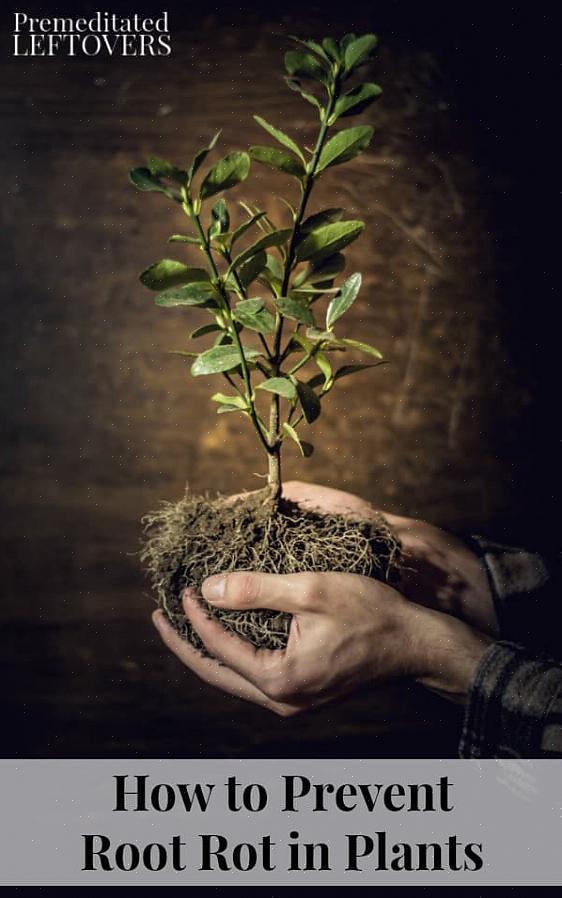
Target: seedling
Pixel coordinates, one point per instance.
(276, 299)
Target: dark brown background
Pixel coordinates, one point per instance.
(101, 423)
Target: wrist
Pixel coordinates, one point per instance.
(446, 653)
(440, 571)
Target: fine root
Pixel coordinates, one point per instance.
(189, 540)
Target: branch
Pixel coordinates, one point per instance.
(307, 186)
(190, 211)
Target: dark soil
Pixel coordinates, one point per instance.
(189, 540)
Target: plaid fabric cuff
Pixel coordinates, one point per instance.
(514, 708)
(517, 579)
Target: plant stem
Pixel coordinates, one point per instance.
(274, 477)
(305, 359)
(243, 295)
(308, 183)
(232, 328)
(274, 474)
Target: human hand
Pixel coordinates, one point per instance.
(438, 570)
(346, 630)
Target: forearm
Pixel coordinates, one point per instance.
(447, 652)
(513, 697)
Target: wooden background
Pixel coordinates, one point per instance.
(101, 423)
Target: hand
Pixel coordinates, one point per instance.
(438, 571)
(346, 630)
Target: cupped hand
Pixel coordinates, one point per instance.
(346, 630)
(438, 570)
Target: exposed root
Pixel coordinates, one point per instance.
(187, 541)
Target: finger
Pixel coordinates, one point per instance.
(404, 525)
(235, 497)
(326, 499)
(210, 671)
(207, 669)
(260, 666)
(293, 593)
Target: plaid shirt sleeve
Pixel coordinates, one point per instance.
(514, 707)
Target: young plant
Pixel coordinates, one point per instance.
(274, 342)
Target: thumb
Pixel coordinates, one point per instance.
(292, 593)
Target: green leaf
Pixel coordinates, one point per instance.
(323, 363)
(250, 270)
(346, 40)
(295, 85)
(232, 401)
(241, 230)
(356, 100)
(276, 238)
(326, 216)
(280, 385)
(223, 339)
(358, 51)
(343, 300)
(326, 269)
(311, 293)
(277, 159)
(200, 157)
(223, 409)
(328, 239)
(326, 378)
(184, 238)
(294, 308)
(220, 358)
(320, 336)
(169, 272)
(162, 169)
(144, 180)
(332, 49)
(304, 65)
(219, 214)
(252, 313)
(345, 145)
(346, 370)
(204, 330)
(361, 347)
(303, 342)
(309, 401)
(228, 172)
(322, 273)
(275, 266)
(281, 137)
(274, 281)
(312, 45)
(304, 448)
(195, 294)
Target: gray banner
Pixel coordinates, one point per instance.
(267, 822)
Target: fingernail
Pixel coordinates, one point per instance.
(214, 587)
